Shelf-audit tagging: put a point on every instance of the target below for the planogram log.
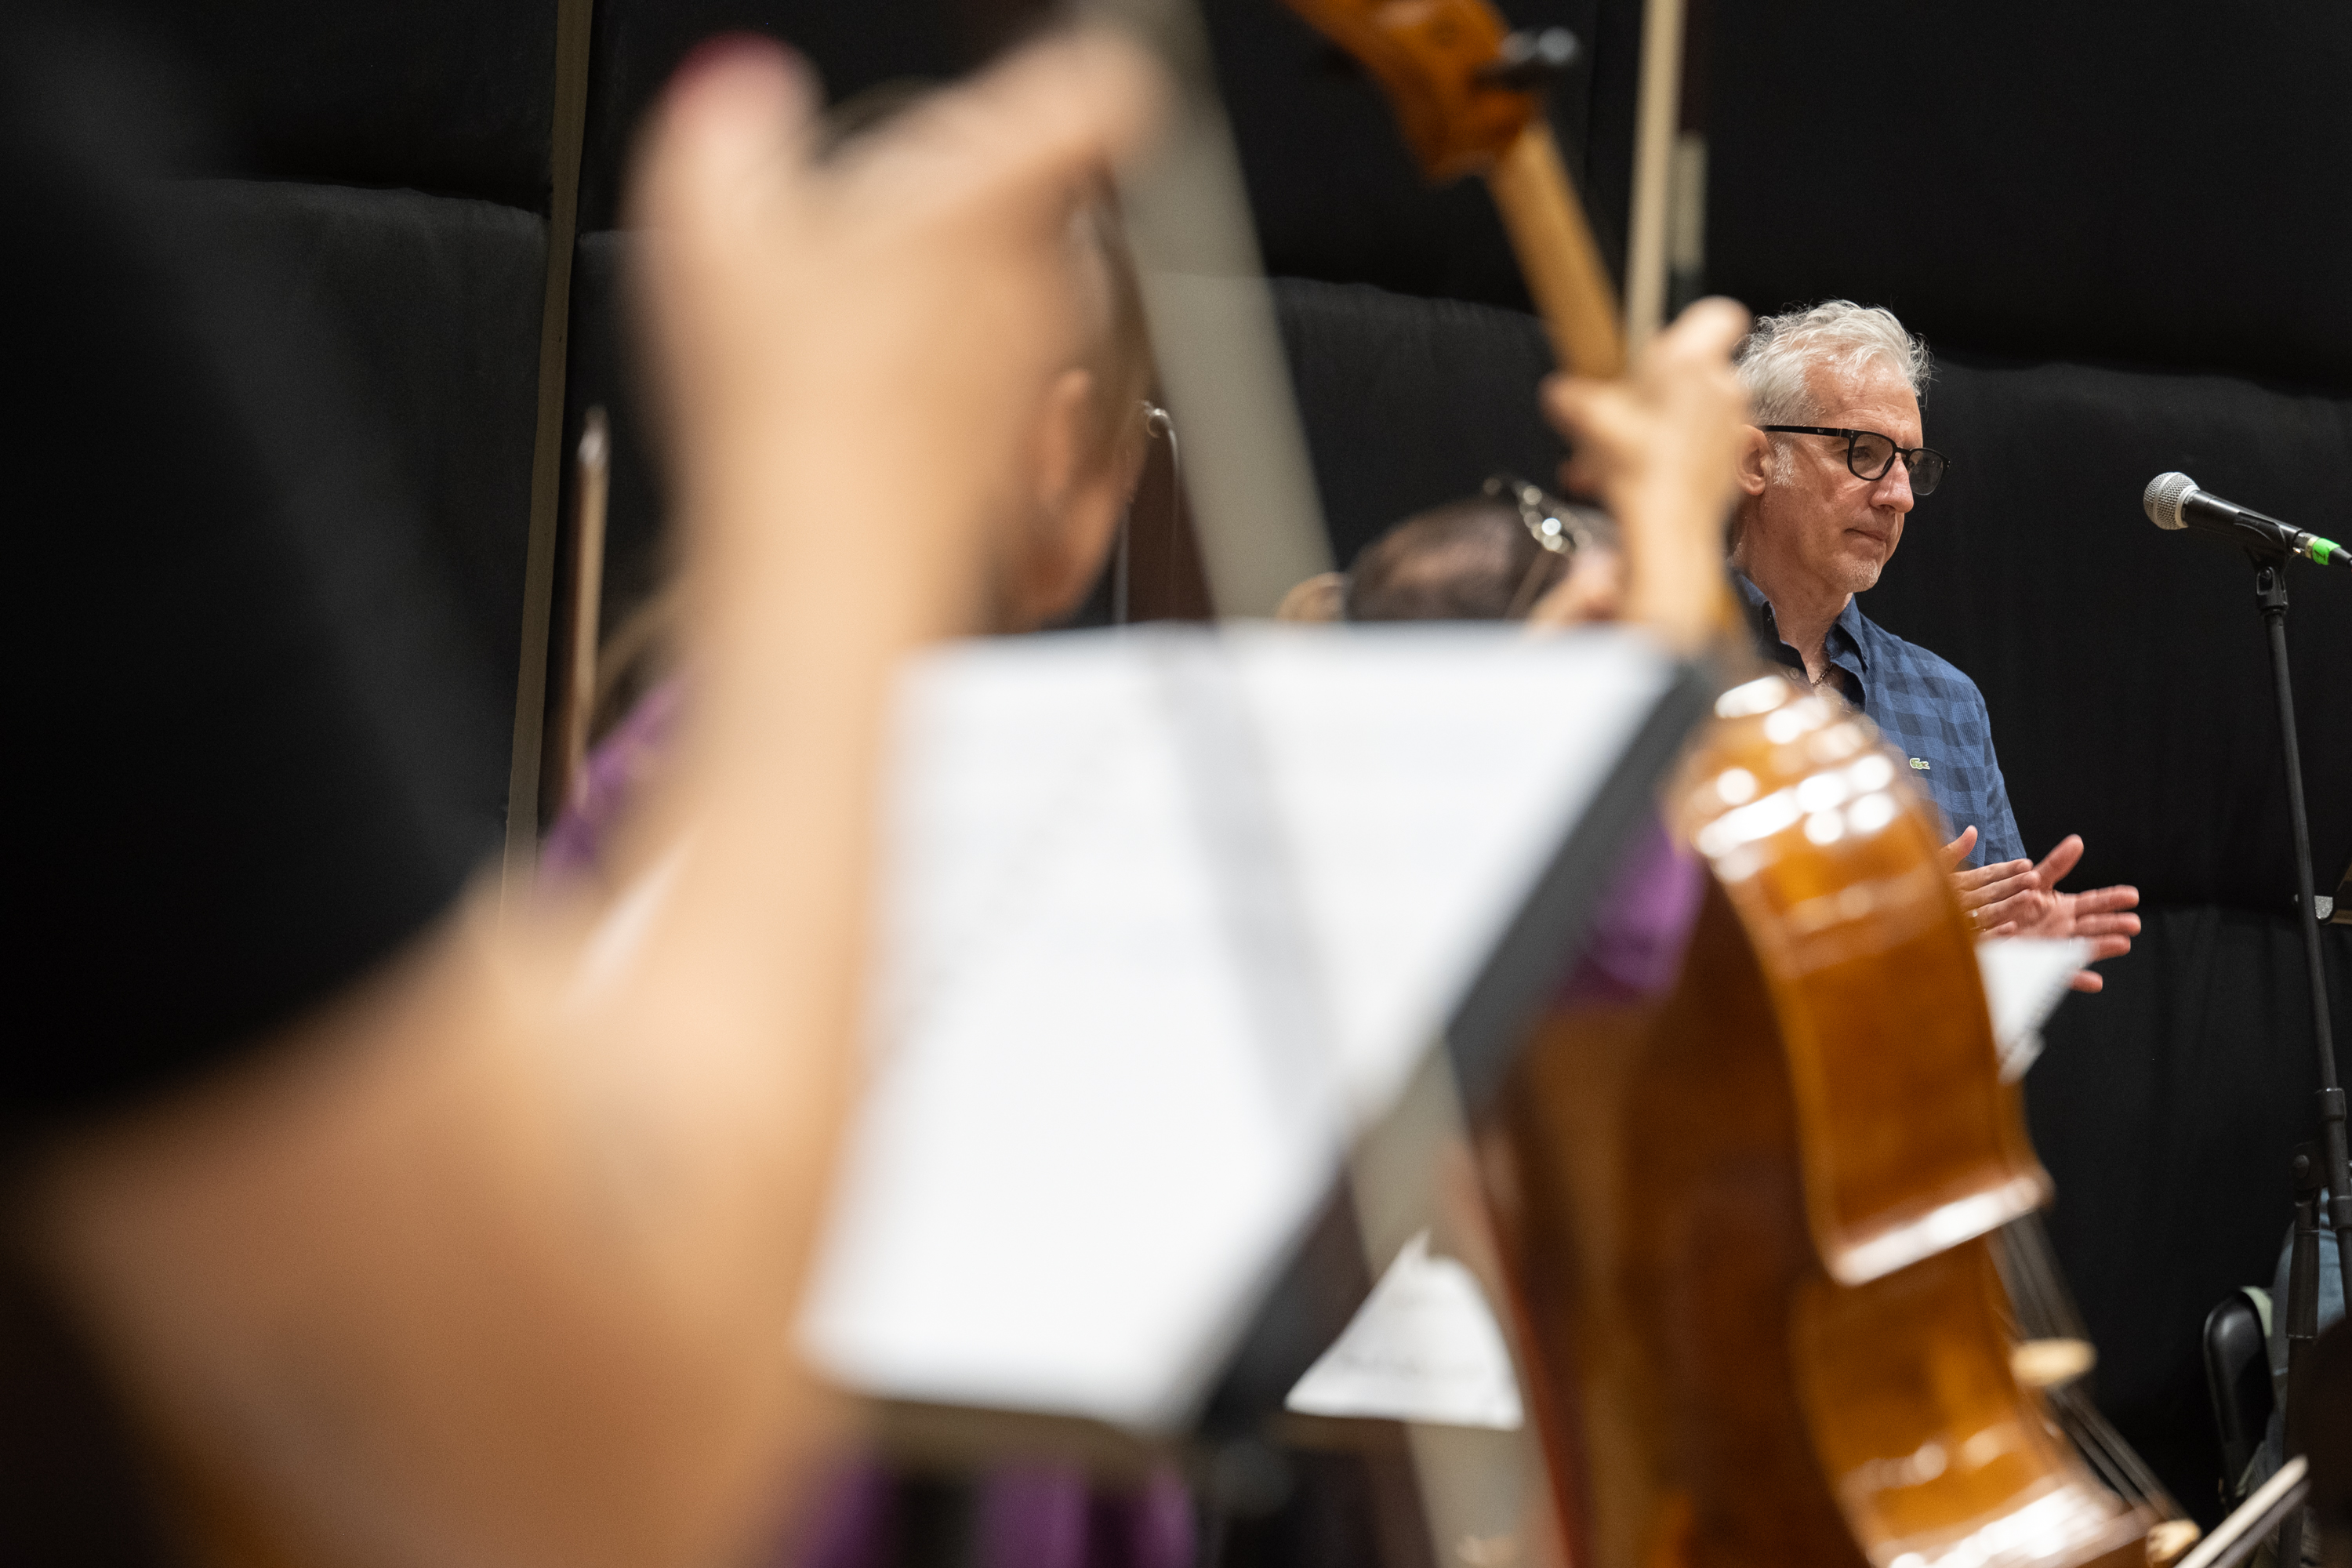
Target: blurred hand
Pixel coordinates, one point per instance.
(2004, 901)
(1659, 448)
(847, 351)
(1594, 590)
(1321, 599)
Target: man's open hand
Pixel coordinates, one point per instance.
(1981, 886)
(2015, 899)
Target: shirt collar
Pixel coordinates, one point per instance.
(1849, 620)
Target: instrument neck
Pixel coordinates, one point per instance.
(1563, 268)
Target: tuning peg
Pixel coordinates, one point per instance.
(1531, 61)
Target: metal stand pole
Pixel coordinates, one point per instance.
(2335, 1169)
(2302, 1323)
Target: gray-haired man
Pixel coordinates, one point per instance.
(1831, 468)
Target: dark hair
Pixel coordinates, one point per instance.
(1465, 560)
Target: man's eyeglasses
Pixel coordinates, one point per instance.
(1870, 456)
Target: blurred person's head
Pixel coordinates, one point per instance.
(1509, 554)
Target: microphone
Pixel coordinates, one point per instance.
(2173, 500)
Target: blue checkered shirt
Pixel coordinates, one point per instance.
(1926, 709)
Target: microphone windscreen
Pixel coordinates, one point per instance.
(2163, 497)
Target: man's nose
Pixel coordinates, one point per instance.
(1894, 488)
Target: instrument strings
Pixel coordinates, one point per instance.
(2044, 1309)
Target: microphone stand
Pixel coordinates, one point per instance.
(2335, 1171)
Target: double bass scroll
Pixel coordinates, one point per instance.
(1446, 71)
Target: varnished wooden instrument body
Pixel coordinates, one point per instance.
(1745, 1223)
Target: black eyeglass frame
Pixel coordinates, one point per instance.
(1910, 455)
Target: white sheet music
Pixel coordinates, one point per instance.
(1424, 1346)
(1168, 915)
(2025, 978)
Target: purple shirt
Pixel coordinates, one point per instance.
(611, 778)
(1634, 948)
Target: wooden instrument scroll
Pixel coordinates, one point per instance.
(1440, 61)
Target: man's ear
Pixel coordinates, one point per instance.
(1755, 461)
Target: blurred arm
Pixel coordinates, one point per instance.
(495, 1258)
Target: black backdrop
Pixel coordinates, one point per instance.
(2119, 229)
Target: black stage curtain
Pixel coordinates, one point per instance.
(2026, 179)
(1408, 403)
(637, 44)
(433, 303)
(315, 139)
(445, 96)
(2072, 181)
(252, 720)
